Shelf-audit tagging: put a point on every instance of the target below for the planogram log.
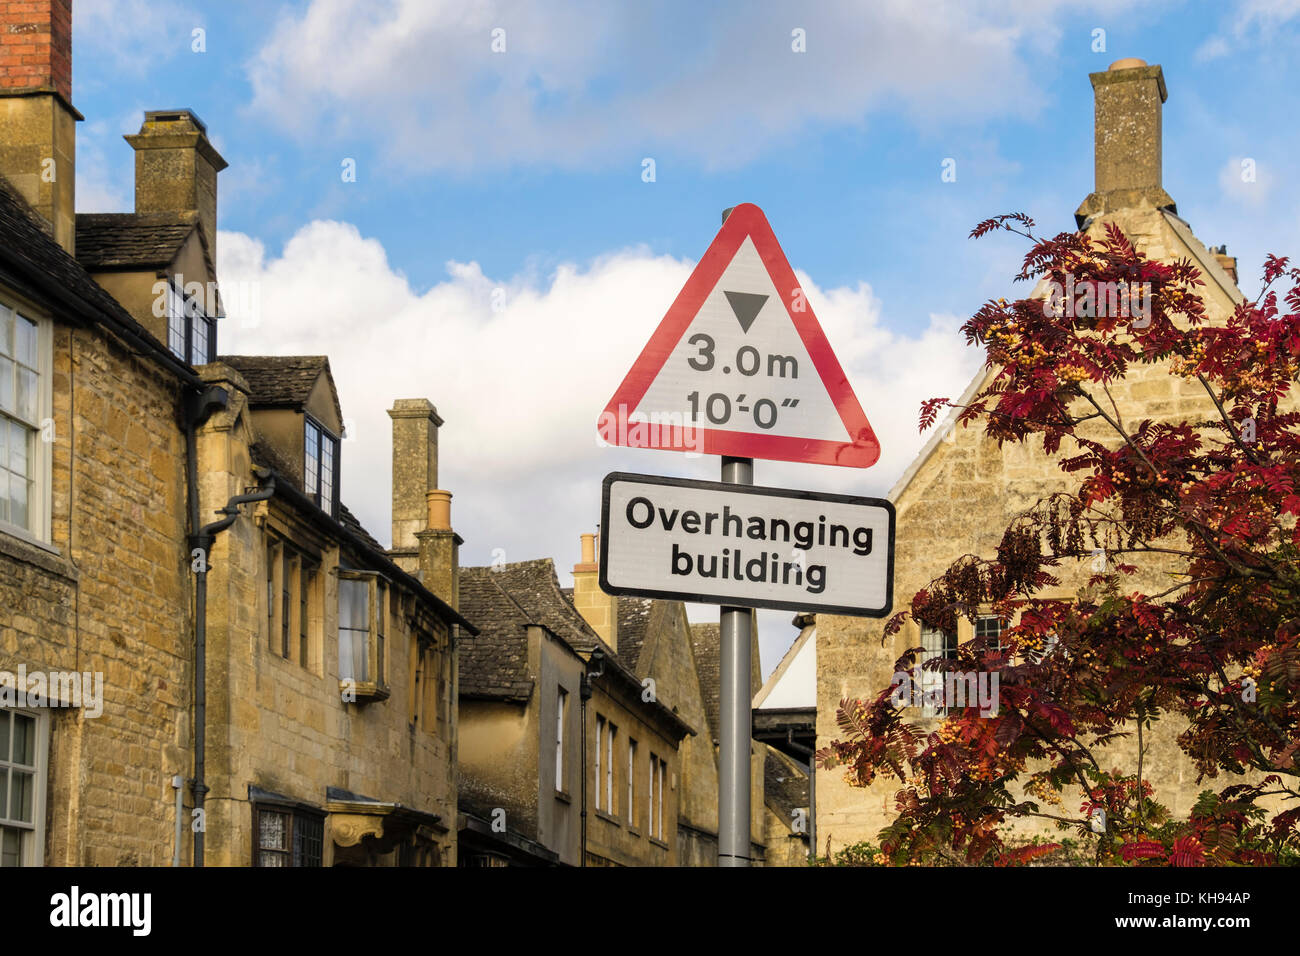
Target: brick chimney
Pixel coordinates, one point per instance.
(424, 543)
(1226, 262)
(38, 131)
(1129, 97)
(176, 168)
(598, 608)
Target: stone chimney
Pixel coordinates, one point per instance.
(1129, 98)
(424, 543)
(176, 168)
(38, 131)
(598, 608)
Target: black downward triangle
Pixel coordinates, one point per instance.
(746, 306)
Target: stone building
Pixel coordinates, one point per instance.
(960, 492)
(326, 710)
(93, 504)
(331, 716)
(564, 758)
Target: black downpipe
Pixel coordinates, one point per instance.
(595, 668)
(203, 541)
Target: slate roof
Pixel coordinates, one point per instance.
(633, 623)
(121, 240)
(707, 640)
(282, 380)
(32, 262)
(495, 664)
(785, 786)
(502, 601)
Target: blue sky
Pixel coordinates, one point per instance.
(522, 170)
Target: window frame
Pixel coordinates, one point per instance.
(611, 774)
(374, 686)
(631, 782)
(947, 649)
(187, 311)
(37, 528)
(296, 815)
(32, 846)
(600, 737)
(312, 488)
(561, 717)
(1002, 627)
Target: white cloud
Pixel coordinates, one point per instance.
(1250, 22)
(521, 387)
(133, 35)
(616, 82)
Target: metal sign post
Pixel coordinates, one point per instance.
(734, 625)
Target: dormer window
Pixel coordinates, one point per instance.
(191, 333)
(320, 467)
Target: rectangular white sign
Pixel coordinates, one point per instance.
(746, 545)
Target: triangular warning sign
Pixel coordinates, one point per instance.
(739, 365)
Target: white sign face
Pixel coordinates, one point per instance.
(741, 365)
(748, 546)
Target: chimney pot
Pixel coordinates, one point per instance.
(439, 503)
(1127, 63)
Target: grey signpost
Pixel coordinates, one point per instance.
(734, 629)
(734, 634)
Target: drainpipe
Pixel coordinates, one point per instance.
(202, 541)
(178, 784)
(595, 669)
(812, 791)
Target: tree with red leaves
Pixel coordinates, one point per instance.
(1210, 503)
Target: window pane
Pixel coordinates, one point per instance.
(345, 655)
(327, 472)
(18, 501)
(24, 740)
(25, 341)
(25, 402)
(4, 793)
(7, 402)
(6, 330)
(10, 847)
(20, 796)
(360, 605)
(312, 471)
(272, 830)
(175, 323)
(18, 448)
(360, 659)
(199, 342)
(4, 737)
(308, 838)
